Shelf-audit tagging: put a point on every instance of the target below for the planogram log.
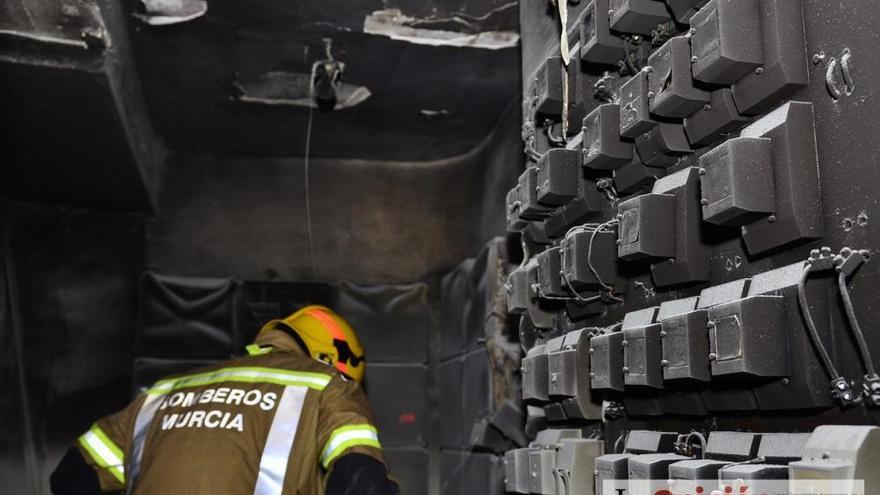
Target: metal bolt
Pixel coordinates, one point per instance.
(694, 59)
(713, 356)
(591, 351)
(703, 201)
(662, 333)
(702, 171)
(710, 324)
(692, 31)
(826, 251)
(841, 386)
(786, 381)
(672, 261)
(771, 218)
(625, 369)
(707, 107)
(624, 343)
(650, 94)
(664, 363)
(592, 375)
(759, 71)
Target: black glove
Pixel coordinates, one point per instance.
(74, 477)
(360, 474)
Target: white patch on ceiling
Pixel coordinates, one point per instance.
(292, 89)
(165, 12)
(394, 24)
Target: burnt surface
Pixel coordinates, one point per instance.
(372, 222)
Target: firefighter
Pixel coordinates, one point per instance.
(288, 418)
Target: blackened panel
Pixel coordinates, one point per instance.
(77, 274)
(410, 468)
(264, 301)
(186, 317)
(399, 396)
(457, 291)
(391, 321)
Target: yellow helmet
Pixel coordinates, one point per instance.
(328, 338)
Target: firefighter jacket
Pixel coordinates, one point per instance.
(271, 423)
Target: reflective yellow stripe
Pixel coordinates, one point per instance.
(255, 350)
(317, 381)
(346, 437)
(104, 452)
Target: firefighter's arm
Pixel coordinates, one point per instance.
(350, 452)
(359, 474)
(101, 450)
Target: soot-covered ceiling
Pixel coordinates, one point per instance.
(231, 77)
(94, 93)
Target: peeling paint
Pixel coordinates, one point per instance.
(43, 39)
(166, 12)
(69, 23)
(435, 31)
(292, 89)
(428, 113)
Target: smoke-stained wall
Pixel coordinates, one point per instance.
(69, 302)
(505, 161)
(371, 221)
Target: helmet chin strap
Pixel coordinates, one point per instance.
(295, 336)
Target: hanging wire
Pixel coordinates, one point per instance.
(306, 183)
(864, 350)
(811, 325)
(328, 53)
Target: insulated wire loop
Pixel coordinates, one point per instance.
(854, 323)
(558, 141)
(606, 292)
(811, 325)
(701, 439)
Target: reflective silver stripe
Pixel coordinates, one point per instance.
(103, 451)
(282, 433)
(139, 436)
